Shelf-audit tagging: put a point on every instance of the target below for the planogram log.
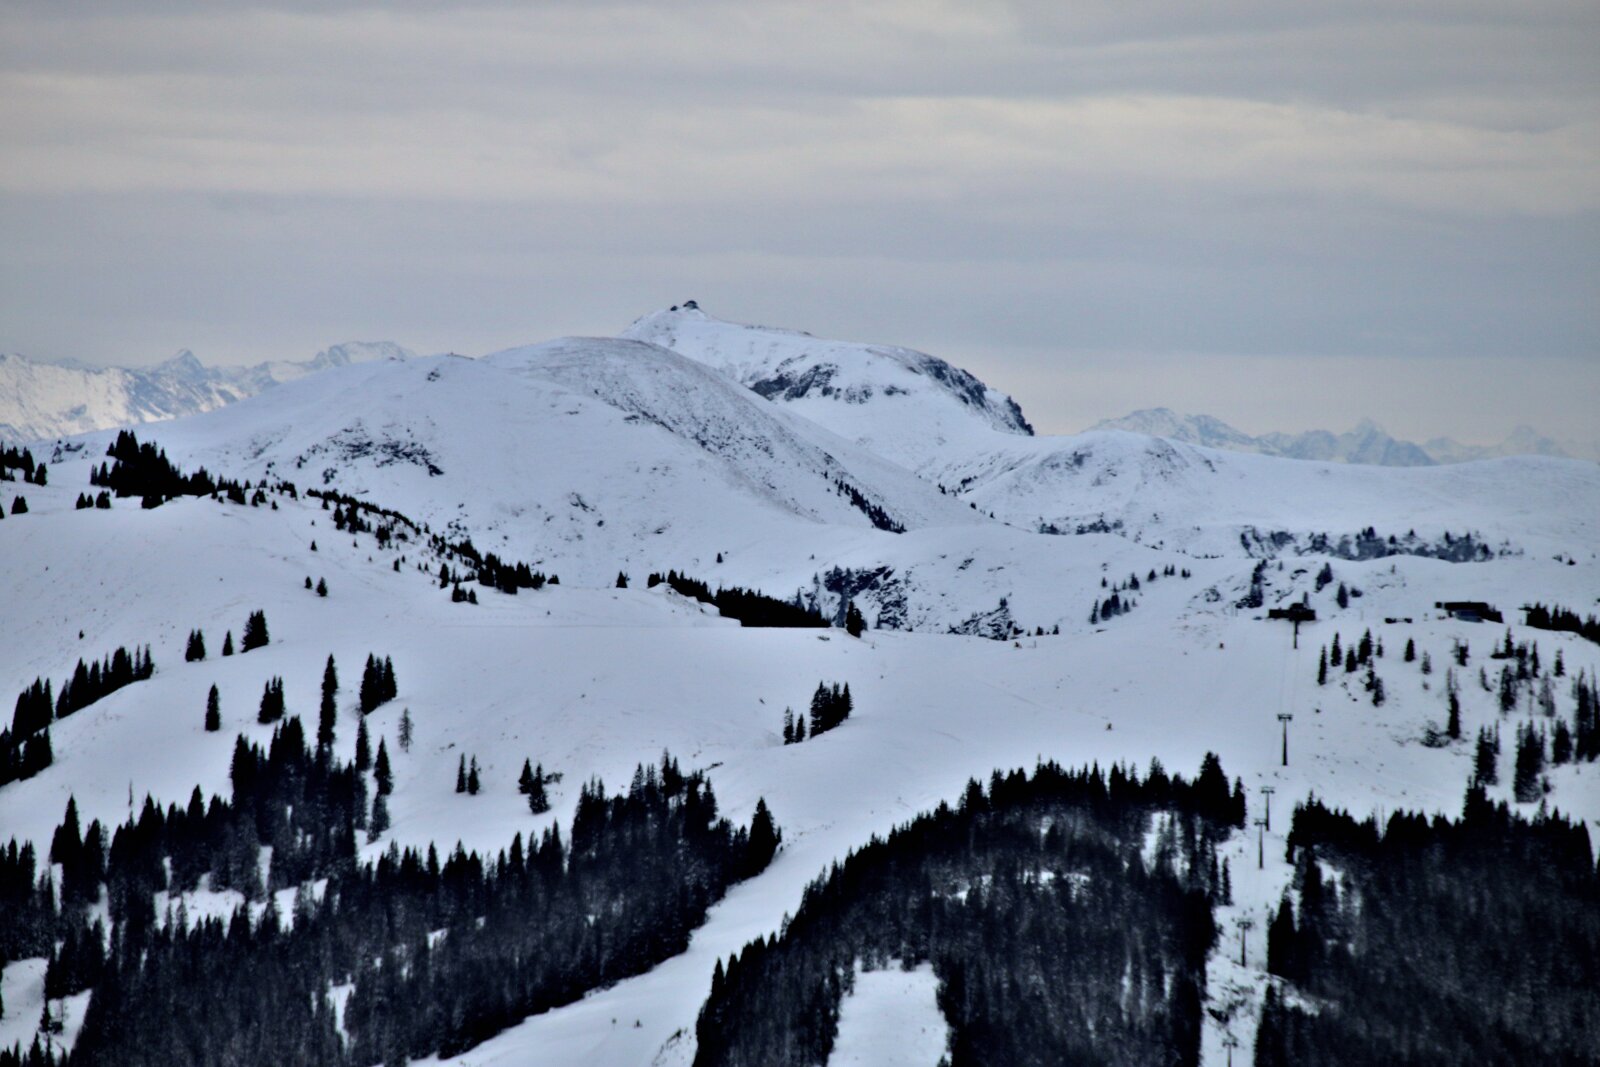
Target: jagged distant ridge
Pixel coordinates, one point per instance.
(40, 400)
(1368, 443)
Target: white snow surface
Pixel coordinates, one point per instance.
(537, 447)
(891, 1019)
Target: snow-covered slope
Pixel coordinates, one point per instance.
(41, 400)
(1205, 501)
(591, 681)
(584, 456)
(909, 407)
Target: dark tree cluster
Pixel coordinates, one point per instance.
(272, 707)
(144, 471)
(750, 607)
(1118, 603)
(194, 649)
(830, 706)
(95, 680)
(1421, 949)
(531, 784)
(874, 512)
(1053, 939)
(441, 954)
(377, 684)
(25, 748)
(486, 568)
(255, 632)
(101, 500)
(1564, 620)
(15, 459)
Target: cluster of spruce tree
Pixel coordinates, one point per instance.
(377, 684)
(531, 784)
(1363, 653)
(831, 705)
(1121, 600)
(1053, 939)
(144, 471)
(21, 459)
(1564, 620)
(101, 500)
(90, 682)
(441, 955)
(874, 512)
(25, 748)
(255, 633)
(1420, 950)
(750, 607)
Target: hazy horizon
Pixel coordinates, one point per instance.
(1286, 218)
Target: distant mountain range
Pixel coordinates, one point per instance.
(1368, 443)
(41, 400)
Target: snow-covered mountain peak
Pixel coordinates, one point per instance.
(907, 405)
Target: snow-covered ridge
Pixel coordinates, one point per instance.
(41, 400)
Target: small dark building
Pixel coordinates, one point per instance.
(1294, 613)
(1469, 610)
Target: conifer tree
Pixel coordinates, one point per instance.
(195, 651)
(525, 780)
(472, 777)
(381, 773)
(271, 702)
(1322, 667)
(461, 775)
(227, 644)
(255, 632)
(322, 586)
(380, 817)
(363, 759)
(1525, 783)
(213, 711)
(1411, 650)
(538, 801)
(788, 726)
(1484, 771)
(405, 730)
(854, 624)
(764, 840)
(328, 713)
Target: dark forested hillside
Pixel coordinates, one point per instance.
(1055, 937)
(1442, 942)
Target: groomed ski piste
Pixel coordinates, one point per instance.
(586, 458)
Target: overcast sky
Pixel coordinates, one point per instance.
(1285, 218)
